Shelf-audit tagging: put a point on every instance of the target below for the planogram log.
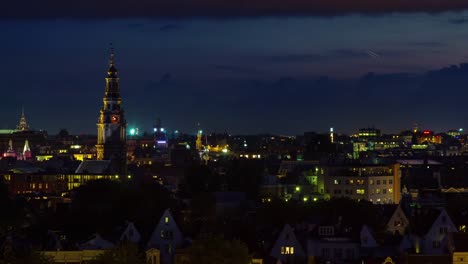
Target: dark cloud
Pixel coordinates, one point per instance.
(135, 25)
(216, 8)
(316, 57)
(167, 77)
(459, 21)
(351, 54)
(236, 69)
(170, 27)
(295, 58)
(428, 44)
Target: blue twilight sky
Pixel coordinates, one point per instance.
(285, 74)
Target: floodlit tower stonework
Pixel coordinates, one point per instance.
(112, 126)
(23, 125)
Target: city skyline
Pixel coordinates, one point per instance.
(245, 75)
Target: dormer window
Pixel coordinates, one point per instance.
(166, 219)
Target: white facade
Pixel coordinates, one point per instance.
(377, 184)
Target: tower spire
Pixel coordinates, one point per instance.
(111, 140)
(111, 55)
(23, 125)
(112, 72)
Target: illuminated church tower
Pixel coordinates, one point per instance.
(23, 125)
(111, 141)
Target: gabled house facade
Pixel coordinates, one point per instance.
(435, 241)
(398, 222)
(166, 237)
(287, 248)
(131, 234)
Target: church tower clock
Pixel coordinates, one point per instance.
(111, 140)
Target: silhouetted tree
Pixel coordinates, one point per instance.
(245, 176)
(102, 205)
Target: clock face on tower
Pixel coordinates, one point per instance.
(115, 119)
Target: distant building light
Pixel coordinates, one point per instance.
(162, 129)
(161, 141)
(460, 130)
(132, 131)
(224, 150)
(155, 129)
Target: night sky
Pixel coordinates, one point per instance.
(252, 71)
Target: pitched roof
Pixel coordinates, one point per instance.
(97, 242)
(131, 234)
(93, 166)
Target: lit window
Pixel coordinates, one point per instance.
(360, 191)
(287, 250)
(335, 181)
(377, 191)
(371, 181)
(166, 219)
(390, 190)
